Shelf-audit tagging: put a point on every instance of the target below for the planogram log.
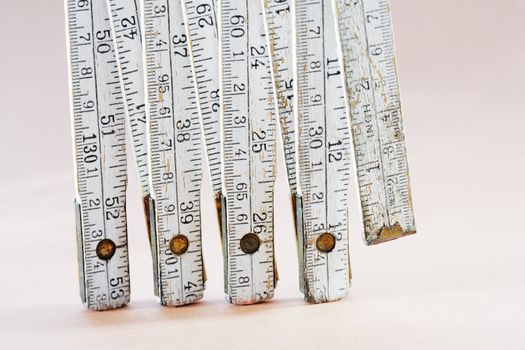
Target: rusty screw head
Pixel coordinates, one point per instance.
(325, 242)
(179, 244)
(106, 249)
(250, 243)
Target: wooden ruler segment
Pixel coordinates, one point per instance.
(100, 156)
(367, 44)
(324, 165)
(279, 24)
(125, 23)
(176, 156)
(201, 18)
(249, 152)
(201, 25)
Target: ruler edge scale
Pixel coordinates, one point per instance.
(406, 233)
(272, 47)
(296, 199)
(151, 207)
(277, 134)
(153, 221)
(147, 201)
(195, 83)
(144, 190)
(352, 185)
(221, 203)
(392, 235)
(272, 98)
(308, 296)
(77, 205)
(224, 211)
(349, 149)
(81, 261)
(218, 196)
(77, 202)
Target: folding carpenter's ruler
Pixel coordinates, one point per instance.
(216, 72)
(175, 155)
(100, 156)
(324, 165)
(367, 43)
(249, 152)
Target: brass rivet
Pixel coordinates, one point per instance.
(250, 243)
(325, 243)
(106, 249)
(179, 245)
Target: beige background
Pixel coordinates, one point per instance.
(459, 284)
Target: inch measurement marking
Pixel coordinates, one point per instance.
(175, 151)
(279, 23)
(200, 17)
(324, 165)
(100, 156)
(367, 43)
(125, 23)
(249, 152)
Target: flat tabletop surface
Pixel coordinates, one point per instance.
(458, 284)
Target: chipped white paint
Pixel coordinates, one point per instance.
(201, 18)
(367, 43)
(248, 113)
(100, 154)
(125, 23)
(175, 153)
(278, 18)
(324, 140)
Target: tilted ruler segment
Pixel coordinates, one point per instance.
(324, 165)
(278, 18)
(279, 23)
(201, 24)
(100, 156)
(367, 43)
(175, 151)
(125, 22)
(201, 18)
(249, 152)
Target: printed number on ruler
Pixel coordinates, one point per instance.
(249, 152)
(324, 166)
(201, 24)
(367, 43)
(100, 156)
(125, 21)
(279, 23)
(175, 136)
